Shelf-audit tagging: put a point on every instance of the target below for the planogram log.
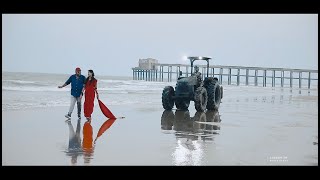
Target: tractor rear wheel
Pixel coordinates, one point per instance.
(167, 98)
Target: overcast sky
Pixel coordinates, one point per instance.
(111, 44)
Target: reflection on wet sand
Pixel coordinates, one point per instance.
(86, 149)
(191, 133)
(202, 124)
(74, 148)
(87, 143)
(106, 125)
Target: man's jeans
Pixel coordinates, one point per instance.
(73, 101)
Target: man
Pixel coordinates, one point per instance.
(198, 75)
(77, 81)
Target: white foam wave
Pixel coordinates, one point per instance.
(34, 89)
(19, 81)
(111, 86)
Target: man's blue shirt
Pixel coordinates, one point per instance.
(76, 84)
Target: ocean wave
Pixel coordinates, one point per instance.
(20, 83)
(19, 106)
(114, 90)
(34, 89)
(109, 85)
(133, 82)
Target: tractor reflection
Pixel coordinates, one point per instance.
(203, 125)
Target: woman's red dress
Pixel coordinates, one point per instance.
(90, 94)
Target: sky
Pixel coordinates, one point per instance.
(111, 44)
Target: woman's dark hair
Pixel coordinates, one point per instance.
(91, 78)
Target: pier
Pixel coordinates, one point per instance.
(231, 75)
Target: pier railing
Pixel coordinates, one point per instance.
(236, 75)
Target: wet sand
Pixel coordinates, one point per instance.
(271, 128)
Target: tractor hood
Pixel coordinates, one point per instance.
(191, 80)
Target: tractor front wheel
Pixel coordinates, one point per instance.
(200, 99)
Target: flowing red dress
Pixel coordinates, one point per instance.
(90, 94)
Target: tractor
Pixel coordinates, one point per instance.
(206, 94)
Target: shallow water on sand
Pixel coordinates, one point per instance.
(254, 126)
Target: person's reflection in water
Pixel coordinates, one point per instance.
(106, 125)
(74, 147)
(191, 134)
(87, 143)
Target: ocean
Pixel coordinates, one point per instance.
(36, 90)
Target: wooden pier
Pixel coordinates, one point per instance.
(236, 75)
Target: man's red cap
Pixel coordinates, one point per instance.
(78, 69)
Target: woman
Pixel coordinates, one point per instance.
(90, 89)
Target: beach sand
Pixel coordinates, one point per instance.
(247, 130)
